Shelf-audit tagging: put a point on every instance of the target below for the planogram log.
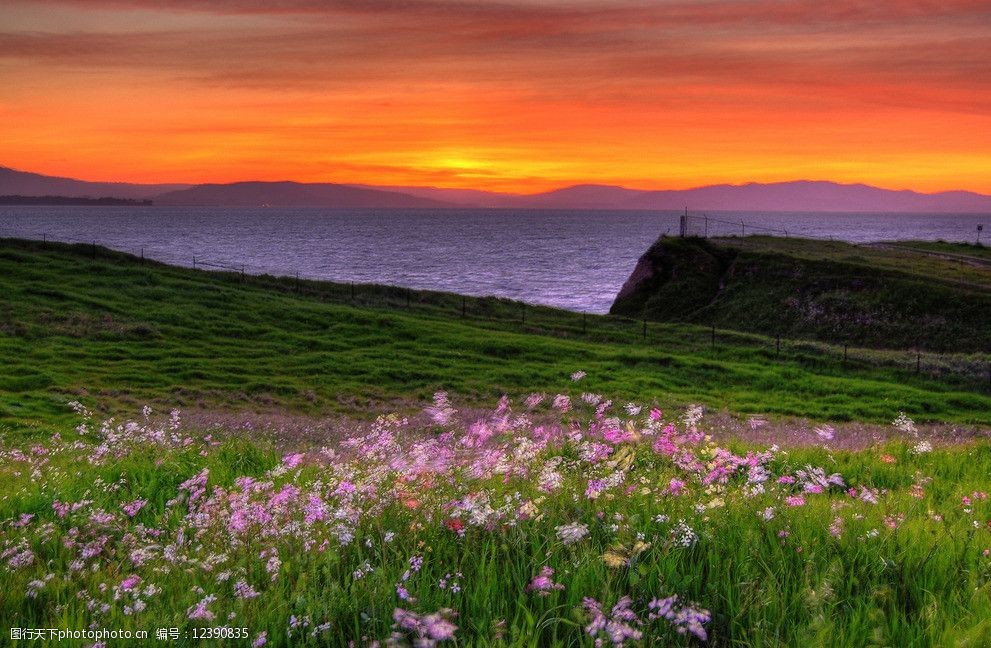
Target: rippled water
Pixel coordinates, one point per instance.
(572, 259)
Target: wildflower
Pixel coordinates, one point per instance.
(692, 416)
(595, 488)
(795, 500)
(20, 559)
(825, 432)
(592, 399)
(429, 628)
(888, 459)
(620, 626)
(35, 586)
(562, 403)
(533, 400)
(578, 375)
(244, 591)
(767, 514)
(619, 555)
(543, 584)
(441, 411)
(130, 582)
(293, 460)
(905, 424)
(675, 487)
(571, 533)
(684, 535)
(892, 521)
(685, 618)
(260, 640)
(200, 611)
(61, 508)
(132, 508)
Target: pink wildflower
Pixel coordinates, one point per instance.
(132, 508)
(544, 584)
(130, 582)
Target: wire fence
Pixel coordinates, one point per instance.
(705, 226)
(971, 370)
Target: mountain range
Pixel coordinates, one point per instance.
(801, 195)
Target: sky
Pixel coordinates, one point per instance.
(506, 95)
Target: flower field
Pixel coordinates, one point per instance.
(556, 520)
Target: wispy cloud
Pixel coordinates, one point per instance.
(475, 70)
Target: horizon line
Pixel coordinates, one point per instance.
(509, 193)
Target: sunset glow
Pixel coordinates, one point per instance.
(522, 95)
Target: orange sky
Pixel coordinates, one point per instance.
(510, 95)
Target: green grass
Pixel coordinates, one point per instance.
(123, 334)
(963, 251)
(893, 296)
(908, 570)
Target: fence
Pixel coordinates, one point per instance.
(970, 370)
(706, 226)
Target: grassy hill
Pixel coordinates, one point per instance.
(934, 296)
(119, 332)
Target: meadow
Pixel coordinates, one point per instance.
(605, 524)
(469, 483)
(78, 322)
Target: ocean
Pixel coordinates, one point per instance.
(571, 259)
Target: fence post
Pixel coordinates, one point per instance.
(777, 345)
(142, 256)
(645, 329)
(523, 312)
(844, 354)
(584, 322)
(352, 291)
(713, 336)
(194, 263)
(407, 297)
(743, 229)
(242, 271)
(94, 249)
(464, 306)
(918, 361)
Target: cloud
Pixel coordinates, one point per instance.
(553, 76)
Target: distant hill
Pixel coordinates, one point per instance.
(22, 183)
(68, 200)
(294, 194)
(782, 196)
(799, 195)
(905, 295)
